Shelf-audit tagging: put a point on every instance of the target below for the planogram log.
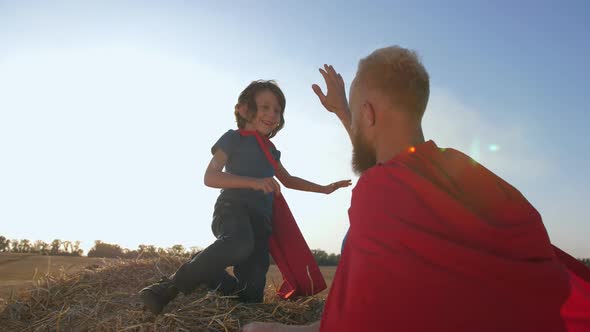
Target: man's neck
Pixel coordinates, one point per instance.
(395, 142)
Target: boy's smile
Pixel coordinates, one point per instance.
(268, 114)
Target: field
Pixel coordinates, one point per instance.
(17, 271)
(46, 292)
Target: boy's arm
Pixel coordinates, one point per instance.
(293, 182)
(215, 177)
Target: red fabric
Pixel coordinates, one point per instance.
(301, 274)
(576, 311)
(439, 243)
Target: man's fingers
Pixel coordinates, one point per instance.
(337, 78)
(333, 71)
(331, 74)
(340, 80)
(330, 70)
(318, 91)
(328, 78)
(325, 75)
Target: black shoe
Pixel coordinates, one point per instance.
(156, 296)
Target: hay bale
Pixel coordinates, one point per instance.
(105, 299)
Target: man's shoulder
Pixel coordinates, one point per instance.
(381, 174)
(381, 181)
(381, 195)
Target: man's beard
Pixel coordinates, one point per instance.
(363, 154)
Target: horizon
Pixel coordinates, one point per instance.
(85, 252)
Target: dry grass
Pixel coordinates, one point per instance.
(19, 271)
(104, 298)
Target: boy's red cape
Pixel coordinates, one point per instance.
(301, 274)
(439, 243)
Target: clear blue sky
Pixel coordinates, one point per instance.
(108, 110)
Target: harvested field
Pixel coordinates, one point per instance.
(104, 298)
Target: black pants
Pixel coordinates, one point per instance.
(242, 242)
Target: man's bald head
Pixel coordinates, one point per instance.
(398, 76)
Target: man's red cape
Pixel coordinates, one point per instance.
(439, 243)
(301, 274)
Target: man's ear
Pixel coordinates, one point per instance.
(368, 113)
(242, 109)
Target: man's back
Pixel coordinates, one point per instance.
(437, 242)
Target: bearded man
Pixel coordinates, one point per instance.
(436, 242)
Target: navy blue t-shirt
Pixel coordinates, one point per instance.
(246, 158)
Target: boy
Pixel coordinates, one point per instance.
(242, 213)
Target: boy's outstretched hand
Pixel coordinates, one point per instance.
(336, 185)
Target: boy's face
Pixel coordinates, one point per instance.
(268, 114)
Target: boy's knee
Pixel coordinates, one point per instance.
(241, 248)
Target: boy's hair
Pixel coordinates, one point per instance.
(248, 98)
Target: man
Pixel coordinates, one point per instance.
(436, 242)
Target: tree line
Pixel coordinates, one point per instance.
(58, 247)
(108, 250)
(102, 249)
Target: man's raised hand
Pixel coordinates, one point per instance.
(335, 98)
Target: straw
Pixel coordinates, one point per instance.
(104, 298)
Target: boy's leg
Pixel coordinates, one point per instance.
(234, 244)
(252, 277)
(225, 282)
(251, 274)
